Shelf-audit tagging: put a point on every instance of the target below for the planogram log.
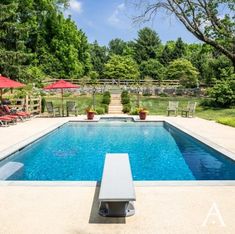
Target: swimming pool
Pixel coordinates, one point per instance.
(157, 151)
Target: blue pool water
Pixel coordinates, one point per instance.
(76, 152)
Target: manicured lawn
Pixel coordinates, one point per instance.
(82, 101)
(158, 106)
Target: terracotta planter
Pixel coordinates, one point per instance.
(142, 115)
(90, 115)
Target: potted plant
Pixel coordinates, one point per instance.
(90, 113)
(142, 113)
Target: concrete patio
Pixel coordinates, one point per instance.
(71, 208)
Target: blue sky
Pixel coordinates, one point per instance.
(103, 20)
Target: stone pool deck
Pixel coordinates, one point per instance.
(71, 208)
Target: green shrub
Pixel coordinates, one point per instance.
(107, 93)
(126, 108)
(126, 100)
(162, 95)
(106, 100)
(100, 110)
(134, 112)
(147, 94)
(206, 102)
(106, 108)
(43, 104)
(222, 94)
(227, 121)
(124, 94)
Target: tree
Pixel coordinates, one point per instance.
(152, 68)
(179, 49)
(98, 57)
(14, 54)
(36, 40)
(184, 71)
(121, 68)
(117, 46)
(146, 45)
(212, 22)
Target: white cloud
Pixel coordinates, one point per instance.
(115, 18)
(75, 6)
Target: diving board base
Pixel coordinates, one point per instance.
(117, 209)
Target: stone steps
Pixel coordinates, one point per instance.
(115, 106)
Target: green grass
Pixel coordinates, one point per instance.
(158, 106)
(227, 121)
(82, 101)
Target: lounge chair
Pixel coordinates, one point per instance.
(190, 110)
(71, 107)
(12, 117)
(5, 121)
(20, 114)
(172, 107)
(117, 190)
(53, 110)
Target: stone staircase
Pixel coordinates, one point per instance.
(115, 106)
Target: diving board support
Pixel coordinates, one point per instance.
(10, 168)
(117, 192)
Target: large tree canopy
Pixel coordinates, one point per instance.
(121, 68)
(36, 40)
(146, 45)
(211, 21)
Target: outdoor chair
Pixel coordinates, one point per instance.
(190, 110)
(6, 120)
(10, 115)
(172, 107)
(71, 107)
(52, 110)
(14, 112)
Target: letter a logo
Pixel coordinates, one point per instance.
(213, 215)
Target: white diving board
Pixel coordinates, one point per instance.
(9, 169)
(117, 191)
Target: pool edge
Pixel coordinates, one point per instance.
(17, 147)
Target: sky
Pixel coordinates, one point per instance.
(104, 20)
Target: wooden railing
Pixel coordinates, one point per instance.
(29, 103)
(113, 82)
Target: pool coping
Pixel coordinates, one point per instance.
(22, 144)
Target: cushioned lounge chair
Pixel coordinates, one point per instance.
(4, 111)
(5, 121)
(11, 111)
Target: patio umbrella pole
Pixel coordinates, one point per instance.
(62, 84)
(62, 97)
(1, 95)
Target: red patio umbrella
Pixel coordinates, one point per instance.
(8, 83)
(62, 84)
